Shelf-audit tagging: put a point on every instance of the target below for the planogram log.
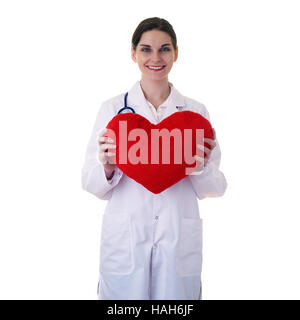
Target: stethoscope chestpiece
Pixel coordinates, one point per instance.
(125, 105)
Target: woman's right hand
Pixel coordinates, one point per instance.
(106, 143)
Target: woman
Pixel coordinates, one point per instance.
(151, 244)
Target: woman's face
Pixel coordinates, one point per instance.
(155, 49)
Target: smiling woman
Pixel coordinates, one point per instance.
(151, 245)
(154, 49)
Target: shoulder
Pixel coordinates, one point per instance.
(113, 104)
(196, 106)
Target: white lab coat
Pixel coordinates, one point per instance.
(151, 244)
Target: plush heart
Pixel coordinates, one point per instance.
(158, 163)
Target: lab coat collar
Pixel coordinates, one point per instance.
(136, 99)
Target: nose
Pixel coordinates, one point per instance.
(155, 57)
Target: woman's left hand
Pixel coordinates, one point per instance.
(202, 161)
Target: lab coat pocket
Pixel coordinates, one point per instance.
(116, 244)
(190, 247)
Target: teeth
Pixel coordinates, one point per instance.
(155, 68)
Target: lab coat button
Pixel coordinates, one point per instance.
(156, 217)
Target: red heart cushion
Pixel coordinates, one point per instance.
(152, 161)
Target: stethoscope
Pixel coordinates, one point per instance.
(125, 105)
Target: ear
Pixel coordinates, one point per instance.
(176, 54)
(133, 55)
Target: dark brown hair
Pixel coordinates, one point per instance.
(151, 24)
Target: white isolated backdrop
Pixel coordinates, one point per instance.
(59, 60)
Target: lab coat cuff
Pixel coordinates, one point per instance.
(98, 183)
(210, 183)
(116, 176)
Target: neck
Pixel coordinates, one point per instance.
(155, 90)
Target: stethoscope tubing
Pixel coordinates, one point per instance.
(125, 105)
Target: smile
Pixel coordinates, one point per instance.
(154, 68)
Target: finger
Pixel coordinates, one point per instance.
(198, 158)
(214, 133)
(207, 152)
(105, 139)
(102, 132)
(200, 153)
(203, 150)
(199, 163)
(108, 159)
(110, 154)
(105, 146)
(211, 142)
(200, 146)
(102, 139)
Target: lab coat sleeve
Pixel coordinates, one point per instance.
(93, 178)
(211, 182)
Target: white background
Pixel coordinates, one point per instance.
(59, 60)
